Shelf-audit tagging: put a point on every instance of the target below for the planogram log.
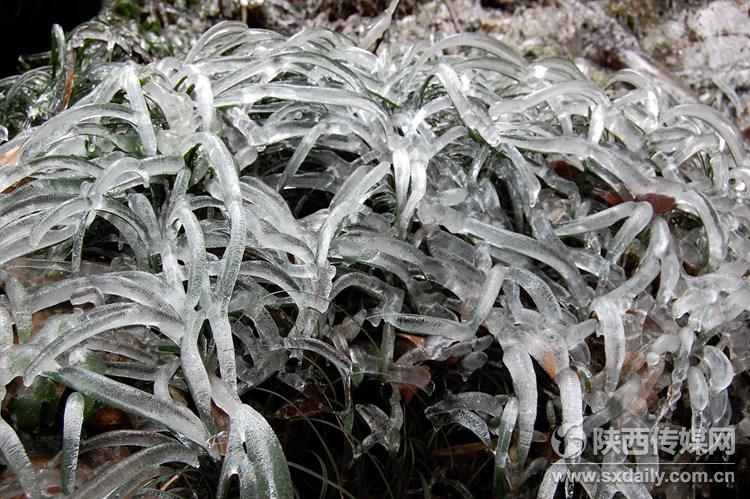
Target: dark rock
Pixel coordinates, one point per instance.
(26, 26)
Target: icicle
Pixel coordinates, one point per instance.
(698, 389)
(72, 422)
(487, 295)
(378, 26)
(6, 328)
(505, 430)
(518, 362)
(720, 369)
(611, 327)
(572, 409)
(15, 455)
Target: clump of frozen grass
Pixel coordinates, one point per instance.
(268, 199)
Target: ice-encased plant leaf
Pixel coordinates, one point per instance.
(518, 362)
(73, 420)
(254, 453)
(167, 413)
(142, 465)
(15, 456)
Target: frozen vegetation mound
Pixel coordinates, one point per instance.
(454, 237)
